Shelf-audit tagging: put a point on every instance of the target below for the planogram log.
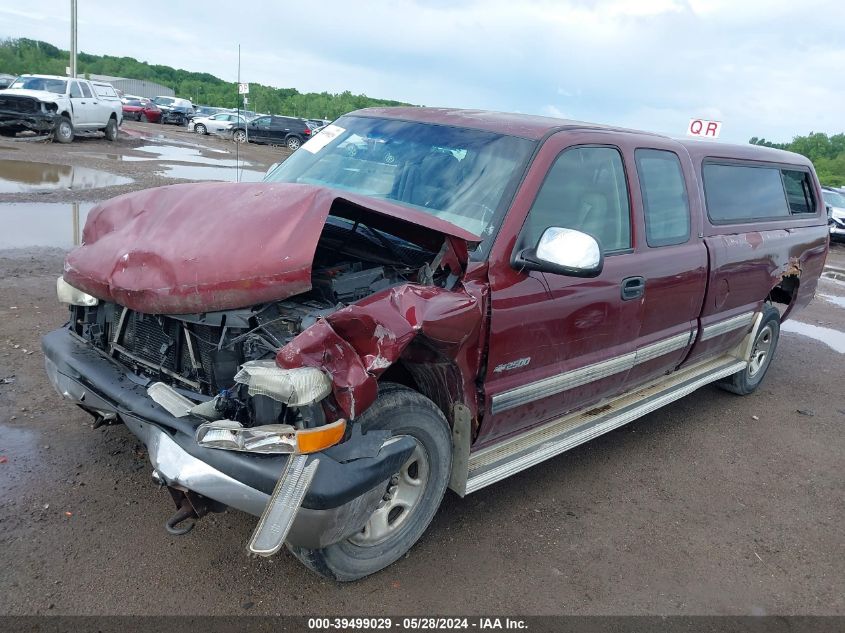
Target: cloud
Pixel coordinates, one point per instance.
(768, 68)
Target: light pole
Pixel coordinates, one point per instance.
(73, 38)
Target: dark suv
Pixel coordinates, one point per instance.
(276, 130)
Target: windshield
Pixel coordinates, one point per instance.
(59, 86)
(460, 175)
(834, 199)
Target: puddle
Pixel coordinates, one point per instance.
(832, 275)
(54, 224)
(183, 154)
(838, 301)
(834, 339)
(19, 176)
(201, 172)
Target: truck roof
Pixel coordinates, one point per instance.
(535, 127)
(46, 76)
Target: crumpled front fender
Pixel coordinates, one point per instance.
(356, 344)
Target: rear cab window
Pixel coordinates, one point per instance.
(737, 192)
(799, 191)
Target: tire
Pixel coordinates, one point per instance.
(293, 143)
(199, 128)
(143, 118)
(63, 131)
(138, 117)
(8, 132)
(765, 344)
(111, 130)
(404, 412)
(239, 136)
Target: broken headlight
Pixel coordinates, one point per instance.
(73, 296)
(294, 387)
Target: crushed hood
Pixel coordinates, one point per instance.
(216, 246)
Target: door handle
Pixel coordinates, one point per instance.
(632, 288)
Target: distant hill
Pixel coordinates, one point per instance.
(23, 55)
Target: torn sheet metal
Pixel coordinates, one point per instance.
(356, 344)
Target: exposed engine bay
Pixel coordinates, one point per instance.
(200, 354)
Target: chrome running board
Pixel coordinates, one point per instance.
(494, 463)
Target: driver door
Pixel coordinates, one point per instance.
(259, 129)
(82, 115)
(559, 343)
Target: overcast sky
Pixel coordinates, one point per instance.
(772, 68)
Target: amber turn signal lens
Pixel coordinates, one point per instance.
(314, 440)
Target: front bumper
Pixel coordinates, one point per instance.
(340, 499)
(35, 121)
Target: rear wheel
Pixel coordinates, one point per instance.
(411, 496)
(293, 143)
(63, 132)
(765, 343)
(143, 118)
(111, 130)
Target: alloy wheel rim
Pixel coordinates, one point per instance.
(761, 351)
(399, 502)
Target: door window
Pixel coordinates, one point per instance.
(584, 190)
(86, 90)
(263, 122)
(664, 194)
(75, 92)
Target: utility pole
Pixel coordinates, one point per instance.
(73, 40)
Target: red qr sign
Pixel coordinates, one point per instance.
(704, 128)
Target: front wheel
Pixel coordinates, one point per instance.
(411, 496)
(143, 118)
(293, 143)
(111, 130)
(199, 128)
(63, 132)
(747, 380)
(239, 136)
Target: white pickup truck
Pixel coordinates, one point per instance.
(60, 106)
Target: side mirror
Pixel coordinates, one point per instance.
(563, 252)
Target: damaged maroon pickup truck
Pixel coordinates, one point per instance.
(330, 349)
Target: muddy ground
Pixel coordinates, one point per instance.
(715, 504)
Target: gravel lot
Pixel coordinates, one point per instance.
(714, 505)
